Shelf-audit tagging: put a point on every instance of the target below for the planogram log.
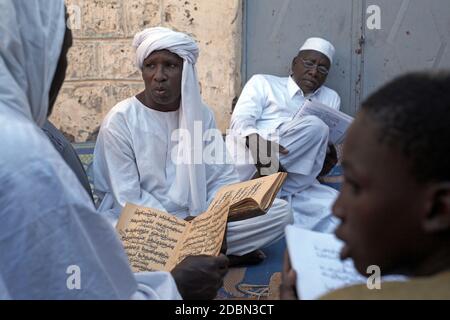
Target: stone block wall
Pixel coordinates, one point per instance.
(101, 68)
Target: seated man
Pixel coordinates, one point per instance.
(144, 153)
(50, 233)
(394, 205)
(263, 116)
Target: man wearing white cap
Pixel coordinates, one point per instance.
(140, 151)
(263, 116)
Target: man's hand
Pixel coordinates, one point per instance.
(224, 247)
(199, 277)
(330, 160)
(248, 214)
(265, 153)
(288, 289)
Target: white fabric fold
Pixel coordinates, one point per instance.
(53, 244)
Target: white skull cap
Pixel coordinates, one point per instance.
(320, 45)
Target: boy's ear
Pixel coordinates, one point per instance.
(438, 217)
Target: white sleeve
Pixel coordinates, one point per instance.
(249, 107)
(336, 104)
(115, 168)
(158, 285)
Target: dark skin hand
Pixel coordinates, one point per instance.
(224, 247)
(265, 153)
(288, 289)
(245, 215)
(200, 277)
(252, 258)
(330, 161)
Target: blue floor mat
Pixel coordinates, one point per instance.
(261, 274)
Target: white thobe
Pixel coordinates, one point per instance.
(267, 106)
(53, 245)
(133, 163)
(50, 230)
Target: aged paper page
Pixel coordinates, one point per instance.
(233, 194)
(205, 235)
(156, 240)
(150, 237)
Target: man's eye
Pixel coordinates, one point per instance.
(173, 66)
(150, 65)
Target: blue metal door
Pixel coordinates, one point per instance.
(407, 35)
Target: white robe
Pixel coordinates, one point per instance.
(133, 163)
(267, 106)
(48, 224)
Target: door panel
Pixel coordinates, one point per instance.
(414, 35)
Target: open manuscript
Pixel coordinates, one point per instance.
(155, 240)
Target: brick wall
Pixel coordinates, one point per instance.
(101, 62)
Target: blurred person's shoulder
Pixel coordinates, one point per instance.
(23, 141)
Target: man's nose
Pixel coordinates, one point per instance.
(160, 74)
(313, 71)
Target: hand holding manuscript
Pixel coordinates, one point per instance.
(156, 240)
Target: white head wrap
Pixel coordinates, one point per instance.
(31, 38)
(189, 176)
(321, 45)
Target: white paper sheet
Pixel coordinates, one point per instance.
(315, 258)
(337, 121)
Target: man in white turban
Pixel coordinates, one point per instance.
(264, 115)
(53, 244)
(150, 147)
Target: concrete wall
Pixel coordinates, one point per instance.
(101, 62)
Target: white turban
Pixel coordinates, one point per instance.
(189, 176)
(159, 38)
(321, 45)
